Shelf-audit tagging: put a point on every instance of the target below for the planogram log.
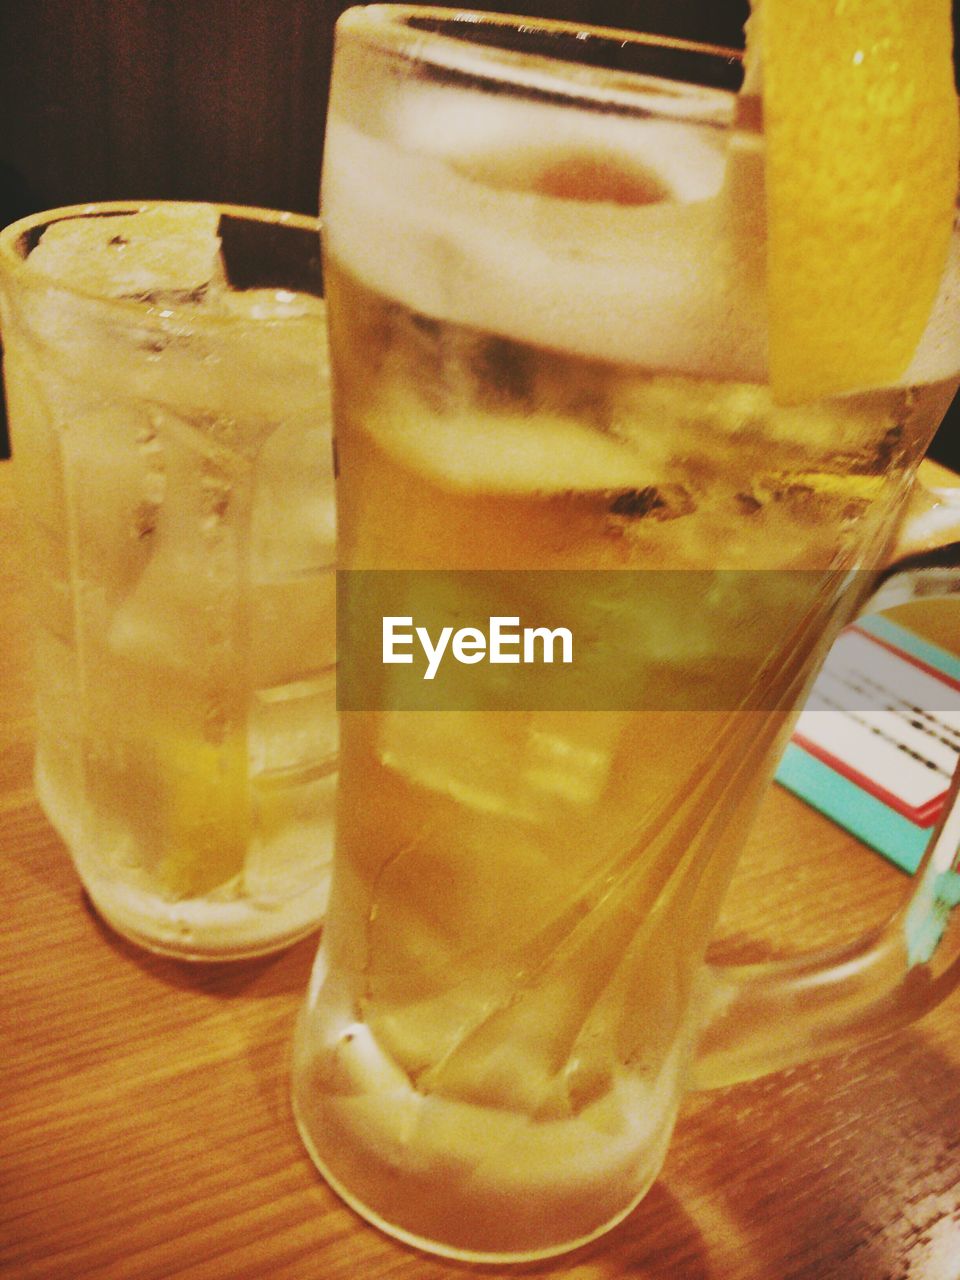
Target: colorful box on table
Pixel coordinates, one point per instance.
(877, 743)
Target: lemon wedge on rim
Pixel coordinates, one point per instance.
(861, 129)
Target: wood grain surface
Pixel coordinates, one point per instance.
(145, 1131)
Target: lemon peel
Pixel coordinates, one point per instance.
(862, 150)
(206, 811)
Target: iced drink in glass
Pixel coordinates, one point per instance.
(545, 288)
(166, 378)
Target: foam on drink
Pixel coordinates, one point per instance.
(670, 276)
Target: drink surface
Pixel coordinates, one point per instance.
(173, 456)
(550, 355)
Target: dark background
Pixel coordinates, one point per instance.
(217, 99)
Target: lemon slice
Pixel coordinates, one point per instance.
(860, 119)
(206, 814)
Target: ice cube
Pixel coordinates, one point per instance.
(569, 755)
(476, 759)
(268, 304)
(160, 253)
(293, 528)
(273, 361)
(293, 728)
(291, 837)
(510, 453)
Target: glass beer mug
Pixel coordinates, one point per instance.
(169, 412)
(548, 363)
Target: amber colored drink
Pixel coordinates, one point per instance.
(502, 1015)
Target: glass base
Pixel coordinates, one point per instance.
(206, 929)
(185, 947)
(476, 1181)
(439, 1248)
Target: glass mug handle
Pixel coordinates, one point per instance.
(762, 1017)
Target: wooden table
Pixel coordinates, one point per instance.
(145, 1131)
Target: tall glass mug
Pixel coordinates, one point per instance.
(166, 380)
(546, 304)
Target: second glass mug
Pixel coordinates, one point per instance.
(171, 444)
(547, 345)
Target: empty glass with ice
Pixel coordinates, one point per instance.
(166, 381)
